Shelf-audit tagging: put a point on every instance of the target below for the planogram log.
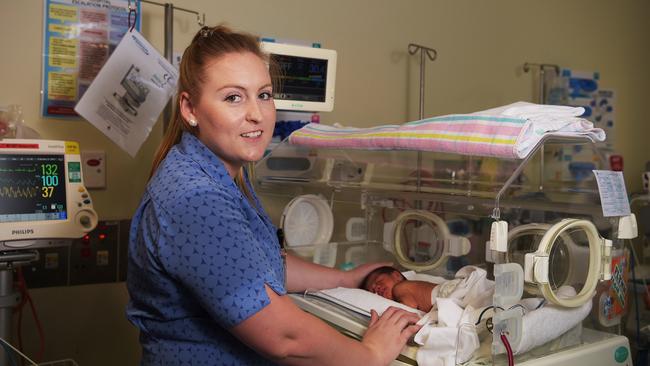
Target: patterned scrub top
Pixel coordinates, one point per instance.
(199, 256)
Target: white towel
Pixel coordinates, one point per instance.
(469, 287)
(414, 276)
(549, 322)
(453, 341)
(546, 120)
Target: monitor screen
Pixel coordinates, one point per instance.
(302, 78)
(32, 188)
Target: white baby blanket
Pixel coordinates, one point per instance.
(454, 339)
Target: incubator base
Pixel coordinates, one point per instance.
(597, 348)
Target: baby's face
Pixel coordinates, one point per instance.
(382, 284)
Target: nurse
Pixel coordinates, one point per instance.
(206, 276)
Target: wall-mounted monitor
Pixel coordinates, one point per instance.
(307, 77)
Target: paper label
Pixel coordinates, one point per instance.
(613, 196)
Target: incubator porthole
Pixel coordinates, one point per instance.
(569, 260)
(559, 264)
(421, 241)
(307, 220)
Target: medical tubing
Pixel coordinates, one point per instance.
(26, 298)
(480, 316)
(511, 358)
(17, 351)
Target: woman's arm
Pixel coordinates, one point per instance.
(303, 275)
(287, 335)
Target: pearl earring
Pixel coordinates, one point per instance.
(192, 122)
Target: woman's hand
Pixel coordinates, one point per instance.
(387, 335)
(354, 277)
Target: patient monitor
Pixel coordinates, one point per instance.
(42, 195)
(307, 77)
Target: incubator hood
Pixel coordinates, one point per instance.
(435, 212)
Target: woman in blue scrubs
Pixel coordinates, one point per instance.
(206, 275)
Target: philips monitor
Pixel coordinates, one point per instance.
(42, 195)
(307, 76)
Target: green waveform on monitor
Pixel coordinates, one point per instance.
(18, 192)
(18, 170)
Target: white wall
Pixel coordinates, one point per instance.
(481, 47)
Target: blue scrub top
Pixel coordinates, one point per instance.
(199, 256)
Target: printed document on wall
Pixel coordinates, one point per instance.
(129, 93)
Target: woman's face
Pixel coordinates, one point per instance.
(235, 112)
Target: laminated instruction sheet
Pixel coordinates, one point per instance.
(129, 93)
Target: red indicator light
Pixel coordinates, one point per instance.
(93, 162)
(102, 236)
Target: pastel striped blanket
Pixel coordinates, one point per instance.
(510, 131)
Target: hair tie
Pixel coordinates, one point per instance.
(206, 31)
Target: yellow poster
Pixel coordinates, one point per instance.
(63, 52)
(64, 13)
(62, 86)
(64, 30)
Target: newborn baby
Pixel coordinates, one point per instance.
(391, 284)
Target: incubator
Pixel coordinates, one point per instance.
(545, 272)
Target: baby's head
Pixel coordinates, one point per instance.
(382, 280)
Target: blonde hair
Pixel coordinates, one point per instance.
(208, 44)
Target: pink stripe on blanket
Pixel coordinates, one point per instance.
(471, 128)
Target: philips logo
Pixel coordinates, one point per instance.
(22, 232)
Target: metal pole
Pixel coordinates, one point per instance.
(419, 167)
(422, 68)
(542, 84)
(169, 55)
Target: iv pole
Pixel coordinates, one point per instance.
(431, 54)
(541, 97)
(169, 43)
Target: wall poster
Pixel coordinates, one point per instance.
(78, 38)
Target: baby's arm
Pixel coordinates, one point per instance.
(405, 297)
(416, 294)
